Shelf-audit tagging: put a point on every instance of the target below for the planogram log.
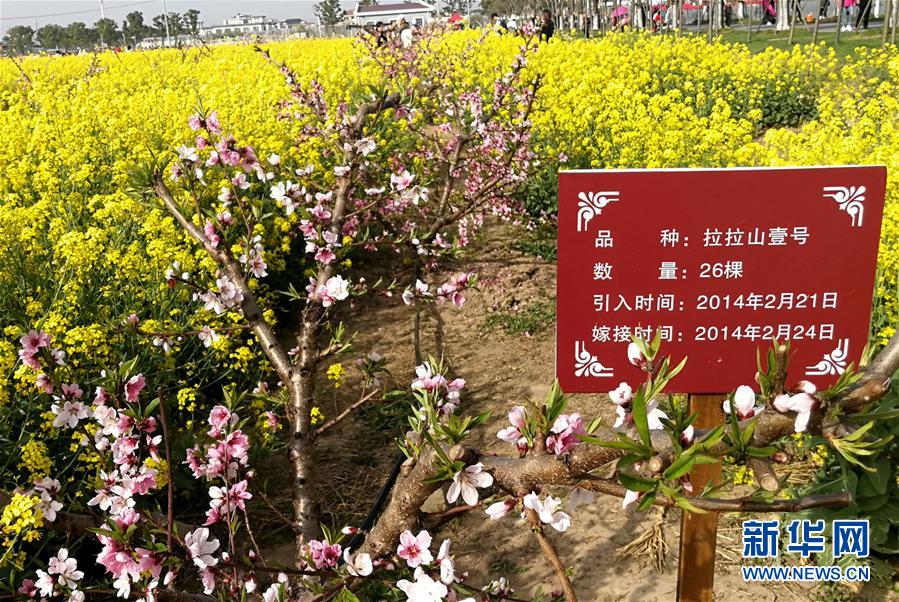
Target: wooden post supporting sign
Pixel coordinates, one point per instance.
(698, 532)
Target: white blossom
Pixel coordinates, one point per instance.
(466, 482)
(201, 548)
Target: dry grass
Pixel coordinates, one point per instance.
(649, 545)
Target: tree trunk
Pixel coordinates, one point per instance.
(783, 15)
(302, 391)
(717, 14)
(674, 9)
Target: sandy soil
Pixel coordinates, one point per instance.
(501, 371)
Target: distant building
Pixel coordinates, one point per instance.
(241, 24)
(297, 23)
(416, 13)
(162, 42)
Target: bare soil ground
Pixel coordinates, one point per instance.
(503, 370)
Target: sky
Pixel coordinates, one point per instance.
(212, 12)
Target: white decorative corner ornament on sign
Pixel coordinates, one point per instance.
(586, 364)
(850, 199)
(590, 204)
(832, 363)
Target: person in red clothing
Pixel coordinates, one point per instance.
(769, 13)
(847, 15)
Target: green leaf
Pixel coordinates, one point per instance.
(635, 483)
(646, 501)
(890, 512)
(684, 503)
(641, 421)
(712, 438)
(625, 443)
(105, 533)
(875, 483)
(858, 434)
(681, 465)
(641, 345)
(761, 452)
(555, 402)
(346, 595)
(437, 448)
(886, 415)
(677, 369)
(748, 431)
(656, 343)
(628, 461)
(704, 459)
(151, 406)
(872, 504)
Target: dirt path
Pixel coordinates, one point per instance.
(500, 371)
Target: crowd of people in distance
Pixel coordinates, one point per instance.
(659, 15)
(402, 32)
(543, 22)
(399, 30)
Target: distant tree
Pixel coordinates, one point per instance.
(51, 36)
(79, 35)
(175, 24)
(134, 28)
(508, 7)
(449, 7)
(19, 39)
(368, 2)
(191, 21)
(107, 31)
(159, 25)
(328, 12)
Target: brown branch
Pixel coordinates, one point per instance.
(409, 494)
(434, 520)
(829, 500)
(865, 392)
(299, 382)
(19, 67)
(277, 512)
(282, 569)
(550, 552)
(77, 524)
(170, 595)
(70, 522)
(246, 524)
(764, 473)
(780, 372)
(875, 379)
(170, 511)
(660, 462)
(332, 590)
(269, 342)
(520, 476)
(182, 333)
(337, 419)
(886, 363)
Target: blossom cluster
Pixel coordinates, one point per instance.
(444, 393)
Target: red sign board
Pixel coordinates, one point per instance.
(722, 261)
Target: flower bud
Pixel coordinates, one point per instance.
(636, 356)
(780, 457)
(806, 387)
(686, 437)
